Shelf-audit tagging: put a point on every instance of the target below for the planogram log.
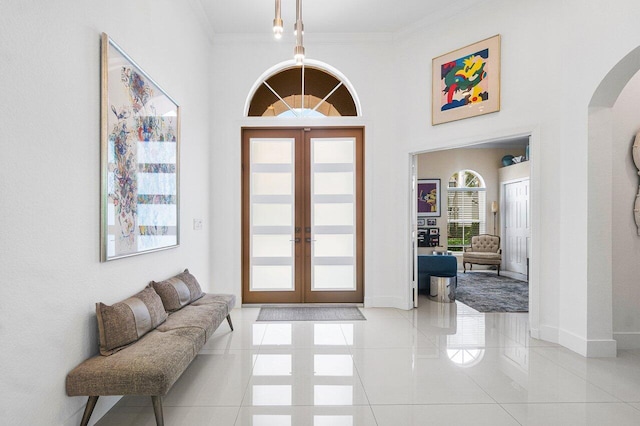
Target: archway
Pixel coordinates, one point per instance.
(601, 292)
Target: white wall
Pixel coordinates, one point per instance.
(366, 62)
(50, 180)
(548, 79)
(543, 92)
(626, 242)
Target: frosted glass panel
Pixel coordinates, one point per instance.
(272, 245)
(338, 277)
(339, 214)
(272, 277)
(272, 215)
(271, 184)
(334, 183)
(327, 151)
(333, 245)
(267, 151)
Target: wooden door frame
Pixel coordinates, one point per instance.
(302, 293)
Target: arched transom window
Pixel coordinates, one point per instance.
(302, 91)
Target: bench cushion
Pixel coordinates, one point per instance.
(178, 291)
(123, 323)
(149, 367)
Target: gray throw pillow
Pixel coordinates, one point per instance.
(125, 322)
(178, 291)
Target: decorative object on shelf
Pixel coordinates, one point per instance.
(140, 126)
(429, 197)
(434, 231)
(432, 222)
(466, 82)
(636, 160)
(507, 160)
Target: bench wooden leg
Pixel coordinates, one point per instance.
(229, 321)
(157, 409)
(88, 410)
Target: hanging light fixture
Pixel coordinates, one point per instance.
(298, 29)
(277, 21)
(298, 51)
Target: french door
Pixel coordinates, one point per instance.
(302, 215)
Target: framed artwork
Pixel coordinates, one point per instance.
(428, 197)
(140, 127)
(421, 222)
(432, 222)
(466, 82)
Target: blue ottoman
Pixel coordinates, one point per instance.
(436, 265)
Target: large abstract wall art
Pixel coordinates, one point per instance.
(466, 82)
(140, 127)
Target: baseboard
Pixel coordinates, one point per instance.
(548, 334)
(587, 348)
(104, 404)
(627, 340)
(387, 302)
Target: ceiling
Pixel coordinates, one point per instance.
(329, 16)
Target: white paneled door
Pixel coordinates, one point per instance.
(516, 226)
(302, 215)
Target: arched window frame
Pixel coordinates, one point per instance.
(466, 208)
(311, 63)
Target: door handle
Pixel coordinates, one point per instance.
(308, 239)
(296, 240)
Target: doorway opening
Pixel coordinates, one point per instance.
(497, 211)
(302, 215)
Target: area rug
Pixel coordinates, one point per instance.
(488, 292)
(310, 313)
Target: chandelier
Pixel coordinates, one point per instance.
(298, 29)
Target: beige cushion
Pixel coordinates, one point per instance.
(485, 243)
(148, 367)
(482, 258)
(125, 322)
(177, 292)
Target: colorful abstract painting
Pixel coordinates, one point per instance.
(140, 125)
(428, 191)
(466, 82)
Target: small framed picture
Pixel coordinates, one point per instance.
(433, 231)
(428, 192)
(431, 222)
(421, 222)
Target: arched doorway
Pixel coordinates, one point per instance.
(612, 277)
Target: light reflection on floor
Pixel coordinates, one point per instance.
(440, 364)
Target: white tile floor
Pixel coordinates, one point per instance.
(440, 364)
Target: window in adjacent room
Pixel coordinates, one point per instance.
(466, 211)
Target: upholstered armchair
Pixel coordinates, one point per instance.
(485, 250)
